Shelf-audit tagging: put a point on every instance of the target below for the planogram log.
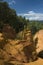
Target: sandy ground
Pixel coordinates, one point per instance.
(37, 62)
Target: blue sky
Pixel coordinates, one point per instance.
(31, 9)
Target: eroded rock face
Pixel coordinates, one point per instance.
(22, 51)
(1, 37)
(8, 32)
(19, 50)
(38, 39)
(4, 55)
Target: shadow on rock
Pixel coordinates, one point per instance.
(30, 54)
(40, 54)
(6, 63)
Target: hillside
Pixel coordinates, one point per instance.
(12, 51)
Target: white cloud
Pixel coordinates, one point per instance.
(31, 15)
(12, 2)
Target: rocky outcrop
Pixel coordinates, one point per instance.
(8, 31)
(22, 51)
(18, 50)
(38, 39)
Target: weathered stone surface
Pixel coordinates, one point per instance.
(1, 37)
(4, 55)
(38, 39)
(19, 50)
(8, 31)
(23, 51)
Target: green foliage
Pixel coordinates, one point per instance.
(35, 26)
(9, 16)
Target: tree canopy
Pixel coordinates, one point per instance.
(9, 16)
